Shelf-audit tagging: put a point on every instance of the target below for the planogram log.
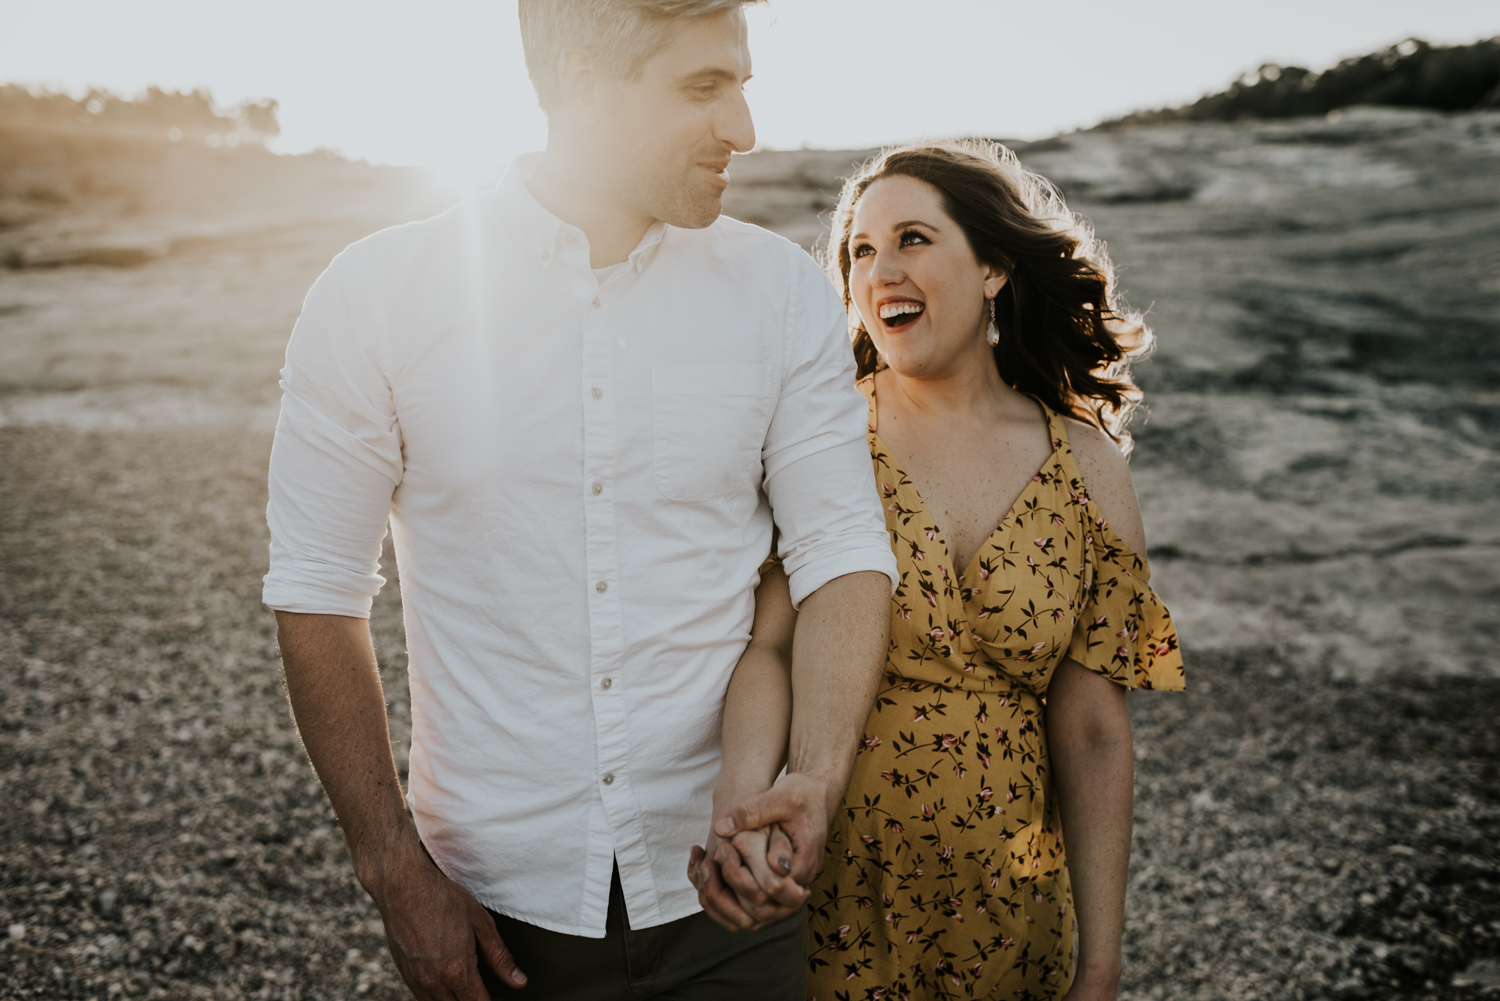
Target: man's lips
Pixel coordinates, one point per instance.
(719, 171)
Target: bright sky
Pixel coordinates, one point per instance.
(443, 84)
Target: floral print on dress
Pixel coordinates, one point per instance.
(945, 874)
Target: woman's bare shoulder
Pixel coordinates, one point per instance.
(1106, 475)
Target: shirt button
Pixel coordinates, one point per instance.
(601, 587)
(609, 778)
(607, 684)
(598, 488)
(570, 239)
(546, 255)
(596, 392)
(596, 302)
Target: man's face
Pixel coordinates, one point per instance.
(665, 138)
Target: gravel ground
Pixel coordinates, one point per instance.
(1297, 836)
(1317, 817)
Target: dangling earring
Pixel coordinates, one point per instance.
(992, 334)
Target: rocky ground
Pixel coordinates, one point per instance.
(1317, 817)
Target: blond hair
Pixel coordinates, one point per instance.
(621, 34)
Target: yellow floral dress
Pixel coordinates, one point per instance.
(945, 874)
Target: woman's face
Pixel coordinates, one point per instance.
(916, 283)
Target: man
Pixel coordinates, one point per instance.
(578, 400)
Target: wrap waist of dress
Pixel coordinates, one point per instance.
(963, 660)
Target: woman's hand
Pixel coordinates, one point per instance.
(1091, 992)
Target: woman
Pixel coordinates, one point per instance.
(994, 354)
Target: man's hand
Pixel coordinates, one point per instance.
(437, 932)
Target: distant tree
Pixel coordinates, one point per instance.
(1412, 74)
(261, 116)
(21, 106)
(192, 111)
(156, 111)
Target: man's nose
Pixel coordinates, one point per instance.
(737, 129)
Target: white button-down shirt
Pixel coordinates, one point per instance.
(579, 480)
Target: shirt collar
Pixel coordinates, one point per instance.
(646, 249)
(545, 235)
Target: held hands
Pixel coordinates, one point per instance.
(763, 853)
(737, 885)
(437, 932)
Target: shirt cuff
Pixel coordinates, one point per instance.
(819, 571)
(320, 589)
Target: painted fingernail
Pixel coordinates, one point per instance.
(785, 865)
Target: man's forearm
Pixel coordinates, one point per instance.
(838, 654)
(333, 684)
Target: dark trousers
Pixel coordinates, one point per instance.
(691, 959)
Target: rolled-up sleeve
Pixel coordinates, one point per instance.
(817, 460)
(337, 455)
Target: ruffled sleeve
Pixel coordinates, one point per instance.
(1123, 631)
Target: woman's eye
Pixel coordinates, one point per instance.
(862, 250)
(911, 238)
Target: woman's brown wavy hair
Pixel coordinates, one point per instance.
(1066, 335)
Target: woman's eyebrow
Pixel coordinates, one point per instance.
(898, 226)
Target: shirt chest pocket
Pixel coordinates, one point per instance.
(710, 425)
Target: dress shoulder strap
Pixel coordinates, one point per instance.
(1057, 428)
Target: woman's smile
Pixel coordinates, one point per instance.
(897, 312)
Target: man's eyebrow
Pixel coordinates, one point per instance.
(713, 73)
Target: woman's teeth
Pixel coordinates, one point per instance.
(899, 314)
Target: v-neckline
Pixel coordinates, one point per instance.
(1059, 438)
